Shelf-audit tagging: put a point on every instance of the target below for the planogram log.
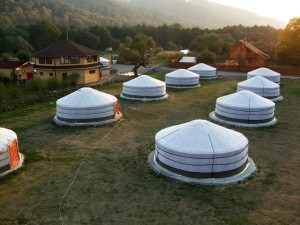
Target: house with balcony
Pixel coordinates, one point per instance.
(246, 54)
(67, 57)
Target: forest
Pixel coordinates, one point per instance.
(21, 40)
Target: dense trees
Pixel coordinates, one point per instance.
(289, 47)
(21, 40)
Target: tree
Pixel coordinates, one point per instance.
(44, 33)
(138, 50)
(206, 57)
(103, 34)
(289, 44)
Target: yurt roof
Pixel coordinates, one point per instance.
(182, 73)
(245, 99)
(144, 81)
(101, 59)
(201, 137)
(6, 136)
(258, 81)
(202, 67)
(263, 72)
(188, 59)
(86, 97)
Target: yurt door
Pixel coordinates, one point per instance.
(116, 109)
(13, 154)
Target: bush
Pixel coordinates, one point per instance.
(53, 83)
(73, 78)
(14, 91)
(206, 57)
(36, 85)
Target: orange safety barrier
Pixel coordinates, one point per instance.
(13, 154)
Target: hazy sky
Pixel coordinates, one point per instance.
(282, 10)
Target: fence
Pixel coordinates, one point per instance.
(283, 70)
(6, 105)
(33, 98)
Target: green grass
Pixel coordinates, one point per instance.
(116, 185)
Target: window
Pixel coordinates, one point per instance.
(92, 71)
(41, 73)
(92, 58)
(64, 60)
(51, 74)
(69, 60)
(64, 75)
(45, 60)
(74, 60)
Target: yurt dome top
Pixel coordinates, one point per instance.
(6, 136)
(188, 59)
(104, 60)
(200, 137)
(259, 82)
(182, 73)
(202, 67)
(245, 99)
(144, 81)
(262, 71)
(86, 97)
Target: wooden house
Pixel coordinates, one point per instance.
(21, 69)
(247, 54)
(67, 57)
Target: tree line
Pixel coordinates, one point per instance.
(21, 40)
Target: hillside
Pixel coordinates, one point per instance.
(83, 13)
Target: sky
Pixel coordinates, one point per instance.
(283, 10)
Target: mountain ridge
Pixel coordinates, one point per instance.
(85, 13)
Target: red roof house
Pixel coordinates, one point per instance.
(247, 54)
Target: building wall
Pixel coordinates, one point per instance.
(6, 72)
(248, 58)
(87, 74)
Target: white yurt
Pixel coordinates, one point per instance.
(244, 108)
(261, 86)
(205, 71)
(266, 73)
(201, 150)
(182, 78)
(105, 62)
(188, 59)
(86, 107)
(10, 157)
(144, 88)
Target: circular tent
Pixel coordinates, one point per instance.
(245, 109)
(203, 152)
(261, 86)
(182, 78)
(10, 157)
(85, 107)
(144, 88)
(105, 62)
(205, 71)
(266, 73)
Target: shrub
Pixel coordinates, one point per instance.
(36, 85)
(73, 78)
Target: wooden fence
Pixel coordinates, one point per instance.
(6, 105)
(283, 70)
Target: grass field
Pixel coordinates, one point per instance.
(115, 185)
